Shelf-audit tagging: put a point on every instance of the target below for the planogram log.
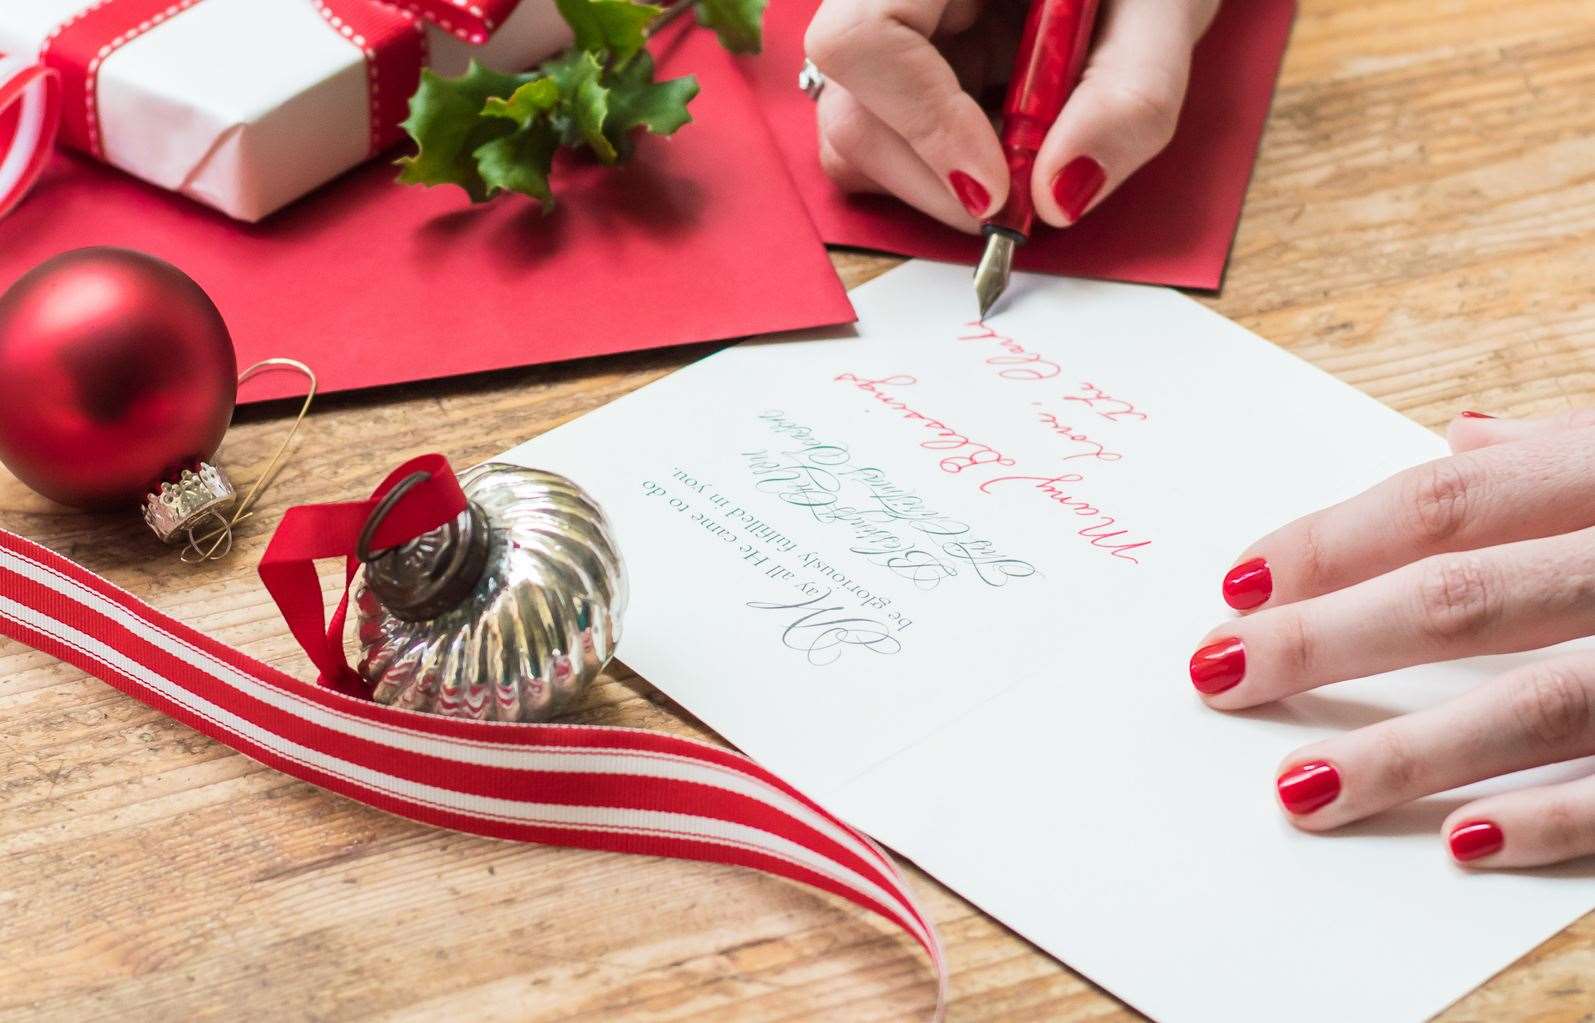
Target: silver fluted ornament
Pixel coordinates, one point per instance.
(504, 614)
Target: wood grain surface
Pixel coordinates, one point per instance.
(1421, 224)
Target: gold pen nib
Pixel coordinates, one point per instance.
(991, 275)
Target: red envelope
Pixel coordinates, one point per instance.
(1171, 223)
(701, 238)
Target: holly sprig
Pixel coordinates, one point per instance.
(490, 132)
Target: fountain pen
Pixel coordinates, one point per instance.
(1052, 51)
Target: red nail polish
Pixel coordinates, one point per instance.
(1248, 585)
(1470, 414)
(970, 192)
(1474, 840)
(1077, 184)
(1218, 666)
(1308, 787)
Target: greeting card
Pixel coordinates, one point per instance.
(945, 576)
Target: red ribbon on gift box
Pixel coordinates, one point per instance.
(64, 86)
(584, 786)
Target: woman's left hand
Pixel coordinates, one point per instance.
(1491, 550)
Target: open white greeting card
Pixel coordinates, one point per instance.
(945, 577)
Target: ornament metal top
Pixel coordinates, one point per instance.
(181, 505)
(504, 614)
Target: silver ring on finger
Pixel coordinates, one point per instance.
(810, 80)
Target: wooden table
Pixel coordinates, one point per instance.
(1422, 224)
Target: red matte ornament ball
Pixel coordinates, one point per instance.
(116, 373)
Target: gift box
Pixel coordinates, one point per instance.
(246, 105)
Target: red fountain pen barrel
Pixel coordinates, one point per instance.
(1052, 52)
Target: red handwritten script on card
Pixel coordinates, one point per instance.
(992, 469)
(700, 238)
(1171, 223)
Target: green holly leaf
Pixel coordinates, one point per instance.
(583, 101)
(738, 23)
(447, 130)
(489, 132)
(616, 27)
(588, 109)
(527, 104)
(637, 101)
(521, 162)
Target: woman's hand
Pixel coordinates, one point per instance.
(1488, 551)
(899, 114)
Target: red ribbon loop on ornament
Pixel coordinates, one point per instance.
(312, 532)
(30, 114)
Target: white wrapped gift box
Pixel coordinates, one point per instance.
(246, 105)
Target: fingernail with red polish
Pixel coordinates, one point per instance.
(1470, 414)
(1475, 840)
(970, 192)
(1218, 666)
(1308, 787)
(1076, 185)
(1248, 585)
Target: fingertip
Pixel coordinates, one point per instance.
(1308, 824)
(1474, 841)
(971, 193)
(1217, 666)
(977, 157)
(1460, 835)
(860, 152)
(1470, 430)
(1041, 197)
(903, 85)
(1306, 786)
(1248, 585)
(1077, 187)
(1109, 128)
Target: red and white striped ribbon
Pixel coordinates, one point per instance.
(30, 114)
(618, 789)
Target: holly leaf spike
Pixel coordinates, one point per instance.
(738, 23)
(520, 162)
(528, 103)
(637, 101)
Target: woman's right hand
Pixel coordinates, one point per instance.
(1489, 551)
(899, 114)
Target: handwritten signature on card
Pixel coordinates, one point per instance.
(1093, 448)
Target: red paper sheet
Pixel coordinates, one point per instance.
(701, 238)
(1171, 223)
